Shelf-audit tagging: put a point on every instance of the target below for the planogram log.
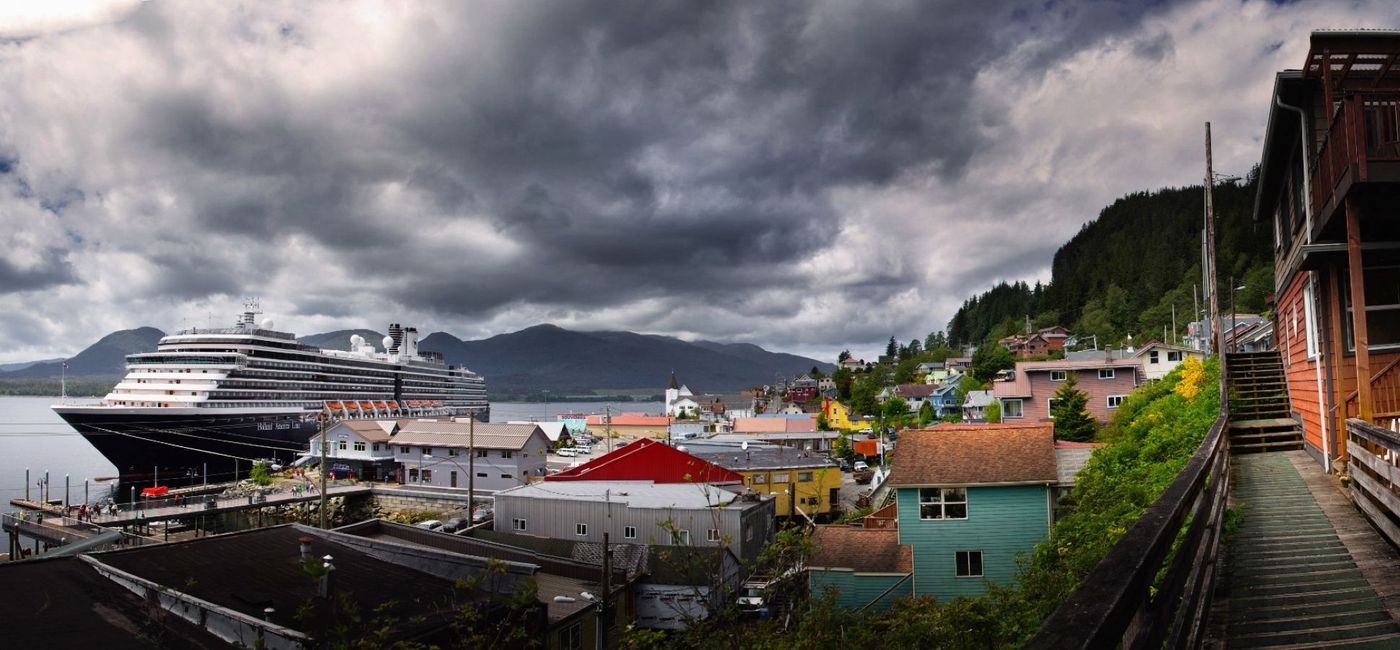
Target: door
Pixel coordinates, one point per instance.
(454, 478)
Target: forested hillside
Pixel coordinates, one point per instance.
(1122, 273)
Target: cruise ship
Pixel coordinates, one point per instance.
(209, 402)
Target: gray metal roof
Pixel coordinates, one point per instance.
(732, 456)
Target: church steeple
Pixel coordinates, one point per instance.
(673, 385)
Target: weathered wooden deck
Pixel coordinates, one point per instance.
(1304, 569)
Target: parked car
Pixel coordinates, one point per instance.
(431, 524)
(482, 514)
(454, 524)
(566, 452)
(844, 464)
(583, 449)
(860, 466)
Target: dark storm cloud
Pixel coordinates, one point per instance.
(819, 172)
(52, 269)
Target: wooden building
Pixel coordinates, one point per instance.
(1328, 184)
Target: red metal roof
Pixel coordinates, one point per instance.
(649, 460)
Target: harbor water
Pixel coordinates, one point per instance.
(33, 436)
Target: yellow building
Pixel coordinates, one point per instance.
(778, 471)
(838, 416)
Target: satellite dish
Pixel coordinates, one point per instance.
(356, 340)
(744, 445)
(267, 323)
(387, 341)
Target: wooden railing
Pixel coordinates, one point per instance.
(1365, 127)
(1375, 476)
(1122, 601)
(1385, 396)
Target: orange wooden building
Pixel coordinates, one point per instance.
(1329, 184)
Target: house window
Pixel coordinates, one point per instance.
(427, 476)
(1152, 357)
(712, 535)
(629, 532)
(803, 477)
(1115, 401)
(481, 453)
(427, 451)
(481, 474)
(1173, 355)
(969, 564)
(451, 452)
(1382, 308)
(517, 524)
(403, 450)
(507, 454)
(1058, 375)
(1105, 373)
(412, 475)
(359, 445)
(505, 476)
(681, 537)
(1012, 408)
(1310, 320)
(581, 530)
(1050, 407)
(758, 479)
(942, 503)
(571, 638)
(780, 478)
(375, 446)
(341, 445)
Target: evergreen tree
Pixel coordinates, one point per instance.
(863, 399)
(845, 354)
(1072, 419)
(892, 349)
(925, 414)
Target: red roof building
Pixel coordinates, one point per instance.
(649, 460)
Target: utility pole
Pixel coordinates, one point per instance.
(1217, 343)
(325, 451)
(471, 465)
(603, 597)
(607, 425)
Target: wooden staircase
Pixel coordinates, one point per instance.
(1260, 416)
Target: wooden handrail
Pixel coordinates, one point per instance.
(1374, 378)
(1114, 604)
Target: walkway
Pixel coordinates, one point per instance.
(1304, 569)
(195, 507)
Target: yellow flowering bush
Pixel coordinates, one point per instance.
(1193, 378)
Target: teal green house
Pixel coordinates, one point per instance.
(866, 568)
(971, 499)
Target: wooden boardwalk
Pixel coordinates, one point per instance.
(195, 507)
(1304, 569)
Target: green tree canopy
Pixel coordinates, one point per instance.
(990, 359)
(992, 414)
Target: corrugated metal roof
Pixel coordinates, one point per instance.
(458, 434)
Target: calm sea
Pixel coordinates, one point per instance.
(33, 436)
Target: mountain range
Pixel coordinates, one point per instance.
(528, 362)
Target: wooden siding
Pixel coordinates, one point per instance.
(1002, 522)
(855, 590)
(1037, 407)
(1290, 322)
(824, 480)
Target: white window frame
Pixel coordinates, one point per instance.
(581, 529)
(981, 564)
(1050, 408)
(712, 535)
(941, 498)
(681, 537)
(629, 532)
(1006, 410)
(1108, 373)
(1310, 319)
(1059, 375)
(1173, 355)
(519, 524)
(1153, 358)
(1109, 401)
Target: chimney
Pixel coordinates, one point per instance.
(305, 546)
(1107, 353)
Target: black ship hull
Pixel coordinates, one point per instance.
(181, 450)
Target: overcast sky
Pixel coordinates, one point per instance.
(807, 176)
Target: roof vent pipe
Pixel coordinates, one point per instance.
(305, 546)
(324, 588)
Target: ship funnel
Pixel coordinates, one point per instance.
(395, 333)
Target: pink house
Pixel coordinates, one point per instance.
(1027, 394)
